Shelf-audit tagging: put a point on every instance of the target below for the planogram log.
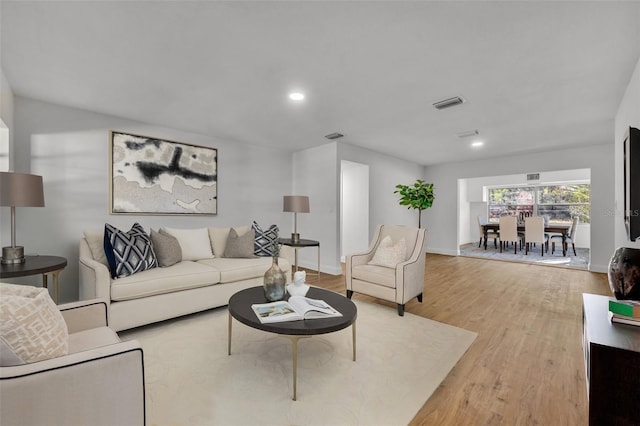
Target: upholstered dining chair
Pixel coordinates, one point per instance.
(392, 268)
(482, 220)
(509, 233)
(534, 234)
(571, 238)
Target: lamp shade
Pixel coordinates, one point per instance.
(296, 204)
(21, 190)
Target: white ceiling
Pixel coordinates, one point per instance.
(537, 76)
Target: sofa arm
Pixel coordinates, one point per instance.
(95, 280)
(102, 386)
(85, 315)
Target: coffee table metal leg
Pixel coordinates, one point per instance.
(353, 329)
(229, 334)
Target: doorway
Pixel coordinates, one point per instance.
(354, 208)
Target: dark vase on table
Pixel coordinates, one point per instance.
(274, 282)
(624, 273)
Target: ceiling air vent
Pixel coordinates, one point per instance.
(533, 176)
(447, 103)
(468, 134)
(335, 135)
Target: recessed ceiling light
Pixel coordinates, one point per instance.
(296, 96)
(477, 144)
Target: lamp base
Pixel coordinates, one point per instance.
(12, 255)
(295, 237)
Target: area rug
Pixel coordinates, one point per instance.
(190, 379)
(578, 261)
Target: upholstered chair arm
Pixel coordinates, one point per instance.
(95, 280)
(101, 386)
(410, 274)
(85, 314)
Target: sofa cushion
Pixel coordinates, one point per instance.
(128, 252)
(375, 274)
(240, 269)
(265, 239)
(389, 254)
(167, 248)
(92, 338)
(181, 276)
(31, 324)
(195, 243)
(95, 241)
(218, 237)
(239, 246)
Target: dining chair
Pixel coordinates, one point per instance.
(482, 220)
(571, 238)
(534, 233)
(509, 232)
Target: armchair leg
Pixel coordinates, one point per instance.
(349, 294)
(400, 310)
(420, 298)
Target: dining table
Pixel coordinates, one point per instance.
(555, 228)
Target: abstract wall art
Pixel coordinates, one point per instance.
(155, 176)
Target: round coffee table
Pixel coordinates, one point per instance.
(240, 309)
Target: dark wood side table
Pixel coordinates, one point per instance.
(35, 265)
(240, 309)
(301, 243)
(612, 363)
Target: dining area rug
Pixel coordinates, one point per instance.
(579, 261)
(191, 380)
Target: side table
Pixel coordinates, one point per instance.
(301, 243)
(34, 265)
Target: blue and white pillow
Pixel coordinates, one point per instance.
(265, 241)
(128, 252)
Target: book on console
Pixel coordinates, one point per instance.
(627, 308)
(623, 319)
(295, 309)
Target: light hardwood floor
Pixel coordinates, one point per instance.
(526, 365)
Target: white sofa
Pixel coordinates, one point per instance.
(159, 293)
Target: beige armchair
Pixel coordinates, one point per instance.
(397, 283)
(99, 382)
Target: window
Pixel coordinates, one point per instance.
(558, 202)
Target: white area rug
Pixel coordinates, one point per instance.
(190, 379)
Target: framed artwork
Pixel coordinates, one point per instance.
(155, 176)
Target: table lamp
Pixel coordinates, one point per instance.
(296, 204)
(18, 190)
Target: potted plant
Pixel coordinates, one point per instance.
(417, 196)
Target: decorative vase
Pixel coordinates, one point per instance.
(624, 273)
(274, 282)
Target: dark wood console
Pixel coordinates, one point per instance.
(612, 364)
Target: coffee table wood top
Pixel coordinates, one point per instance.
(240, 309)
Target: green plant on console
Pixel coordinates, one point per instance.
(418, 196)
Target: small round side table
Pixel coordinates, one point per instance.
(35, 265)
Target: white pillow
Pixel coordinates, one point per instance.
(95, 240)
(195, 243)
(31, 324)
(219, 238)
(388, 254)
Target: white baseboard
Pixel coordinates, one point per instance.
(599, 268)
(446, 252)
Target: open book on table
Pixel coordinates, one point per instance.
(295, 309)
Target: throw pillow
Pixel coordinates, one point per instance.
(388, 254)
(167, 248)
(219, 236)
(240, 246)
(95, 241)
(31, 325)
(265, 240)
(195, 243)
(128, 252)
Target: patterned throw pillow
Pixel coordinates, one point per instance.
(265, 240)
(128, 252)
(388, 254)
(31, 325)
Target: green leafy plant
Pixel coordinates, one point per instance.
(418, 196)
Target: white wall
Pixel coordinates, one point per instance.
(316, 174)
(442, 220)
(69, 148)
(6, 116)
(628, 115)
(354, 208)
